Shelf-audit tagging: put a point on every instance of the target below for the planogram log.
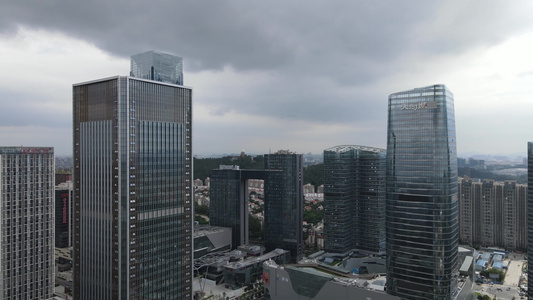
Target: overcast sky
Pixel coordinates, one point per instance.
(297, 75)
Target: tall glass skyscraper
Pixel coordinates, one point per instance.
(284, 203)
(132, 188)
(422, 202)
(354, 199)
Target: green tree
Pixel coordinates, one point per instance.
(313, 216)
(501, 274)
(314, 175)
(201, 209)
(200, 220)
(254, 227)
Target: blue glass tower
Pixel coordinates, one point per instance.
(422, 202)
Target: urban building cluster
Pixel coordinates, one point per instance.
(493, 214)
(402, 201)
(283, 200)
(124, 219)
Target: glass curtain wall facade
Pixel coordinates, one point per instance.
(354, 199)
(284, 203)
(228, 206)
(157, 66)
(27, 223)
(530, 219)
(422, 199)
(132, 189)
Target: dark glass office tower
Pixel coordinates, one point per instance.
(227, 206)
(422, 202)
(132, 189)
(530, 219)
(229, 200)
(284, 203)
(354, 199)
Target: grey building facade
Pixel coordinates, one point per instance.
(284, 203)
(493, 214)
(132, 188)
(530, 219)
(354, 199)
(422, 201)
(27, 222)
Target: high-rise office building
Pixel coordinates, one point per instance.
(422, 201)
(284, 203)
(229, 200)
(228, 205)
(530, 219)
(27, 223)
(354, 199)
(133, 185)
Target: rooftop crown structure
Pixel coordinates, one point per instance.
(157, 66)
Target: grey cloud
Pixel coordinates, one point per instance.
(331, 57)
(18, 111)
(270, 35)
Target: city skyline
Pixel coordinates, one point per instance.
(267, 78)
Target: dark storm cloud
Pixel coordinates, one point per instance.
(317, 36)
(329, 57)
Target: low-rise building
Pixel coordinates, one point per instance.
(241, 273)
(313, 281)
(209, 239)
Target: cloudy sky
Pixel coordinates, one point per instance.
(298, 75)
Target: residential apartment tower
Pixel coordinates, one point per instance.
(493, 214)
(27, 223)
(354, 199)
